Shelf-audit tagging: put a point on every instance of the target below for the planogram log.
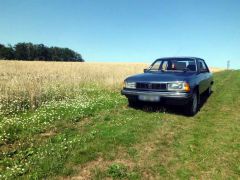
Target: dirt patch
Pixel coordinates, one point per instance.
(83, 122)
(85, 171)
(48, 133)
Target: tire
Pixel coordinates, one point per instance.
(193, 105)
(209, 90)
(133, 102)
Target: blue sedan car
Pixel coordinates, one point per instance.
(172, 80)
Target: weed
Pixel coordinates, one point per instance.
(117, 170)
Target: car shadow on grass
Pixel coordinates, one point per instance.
(171, 109)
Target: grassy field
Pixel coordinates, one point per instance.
(68, 120)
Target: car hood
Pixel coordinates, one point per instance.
(161, 76)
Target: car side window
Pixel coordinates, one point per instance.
(202, 66)
(156, 66)
(165, 65)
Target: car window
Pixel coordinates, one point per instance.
(202, 66)
(174, 64)
(156, 66)
(165, 65)
(180, 65)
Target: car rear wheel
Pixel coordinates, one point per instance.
(193, 105)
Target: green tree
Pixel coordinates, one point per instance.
(30, 52)
(21, 51)
(6, 52)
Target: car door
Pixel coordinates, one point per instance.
(203, 76)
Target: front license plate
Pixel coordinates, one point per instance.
(149, 98)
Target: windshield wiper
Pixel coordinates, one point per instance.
(186, 69)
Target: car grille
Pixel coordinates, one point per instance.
(154, 86)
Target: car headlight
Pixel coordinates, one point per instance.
(178, 86)
(130, 85)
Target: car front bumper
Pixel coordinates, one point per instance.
(167, 97)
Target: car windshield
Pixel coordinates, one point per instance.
(173, 64)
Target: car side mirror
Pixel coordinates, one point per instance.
(145, 70)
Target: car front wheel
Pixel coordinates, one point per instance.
(193, 105)
(133, 102)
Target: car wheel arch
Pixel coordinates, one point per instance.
(196, 88)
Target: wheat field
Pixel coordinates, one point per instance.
(25, 85)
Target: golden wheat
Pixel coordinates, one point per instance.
(28, 84)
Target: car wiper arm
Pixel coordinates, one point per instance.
(186, 69)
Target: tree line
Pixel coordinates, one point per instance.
(37, 52)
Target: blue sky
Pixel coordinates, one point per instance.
(128, 30)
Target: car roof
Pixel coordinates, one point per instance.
(180, 57)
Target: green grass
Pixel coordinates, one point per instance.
(99, 134)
